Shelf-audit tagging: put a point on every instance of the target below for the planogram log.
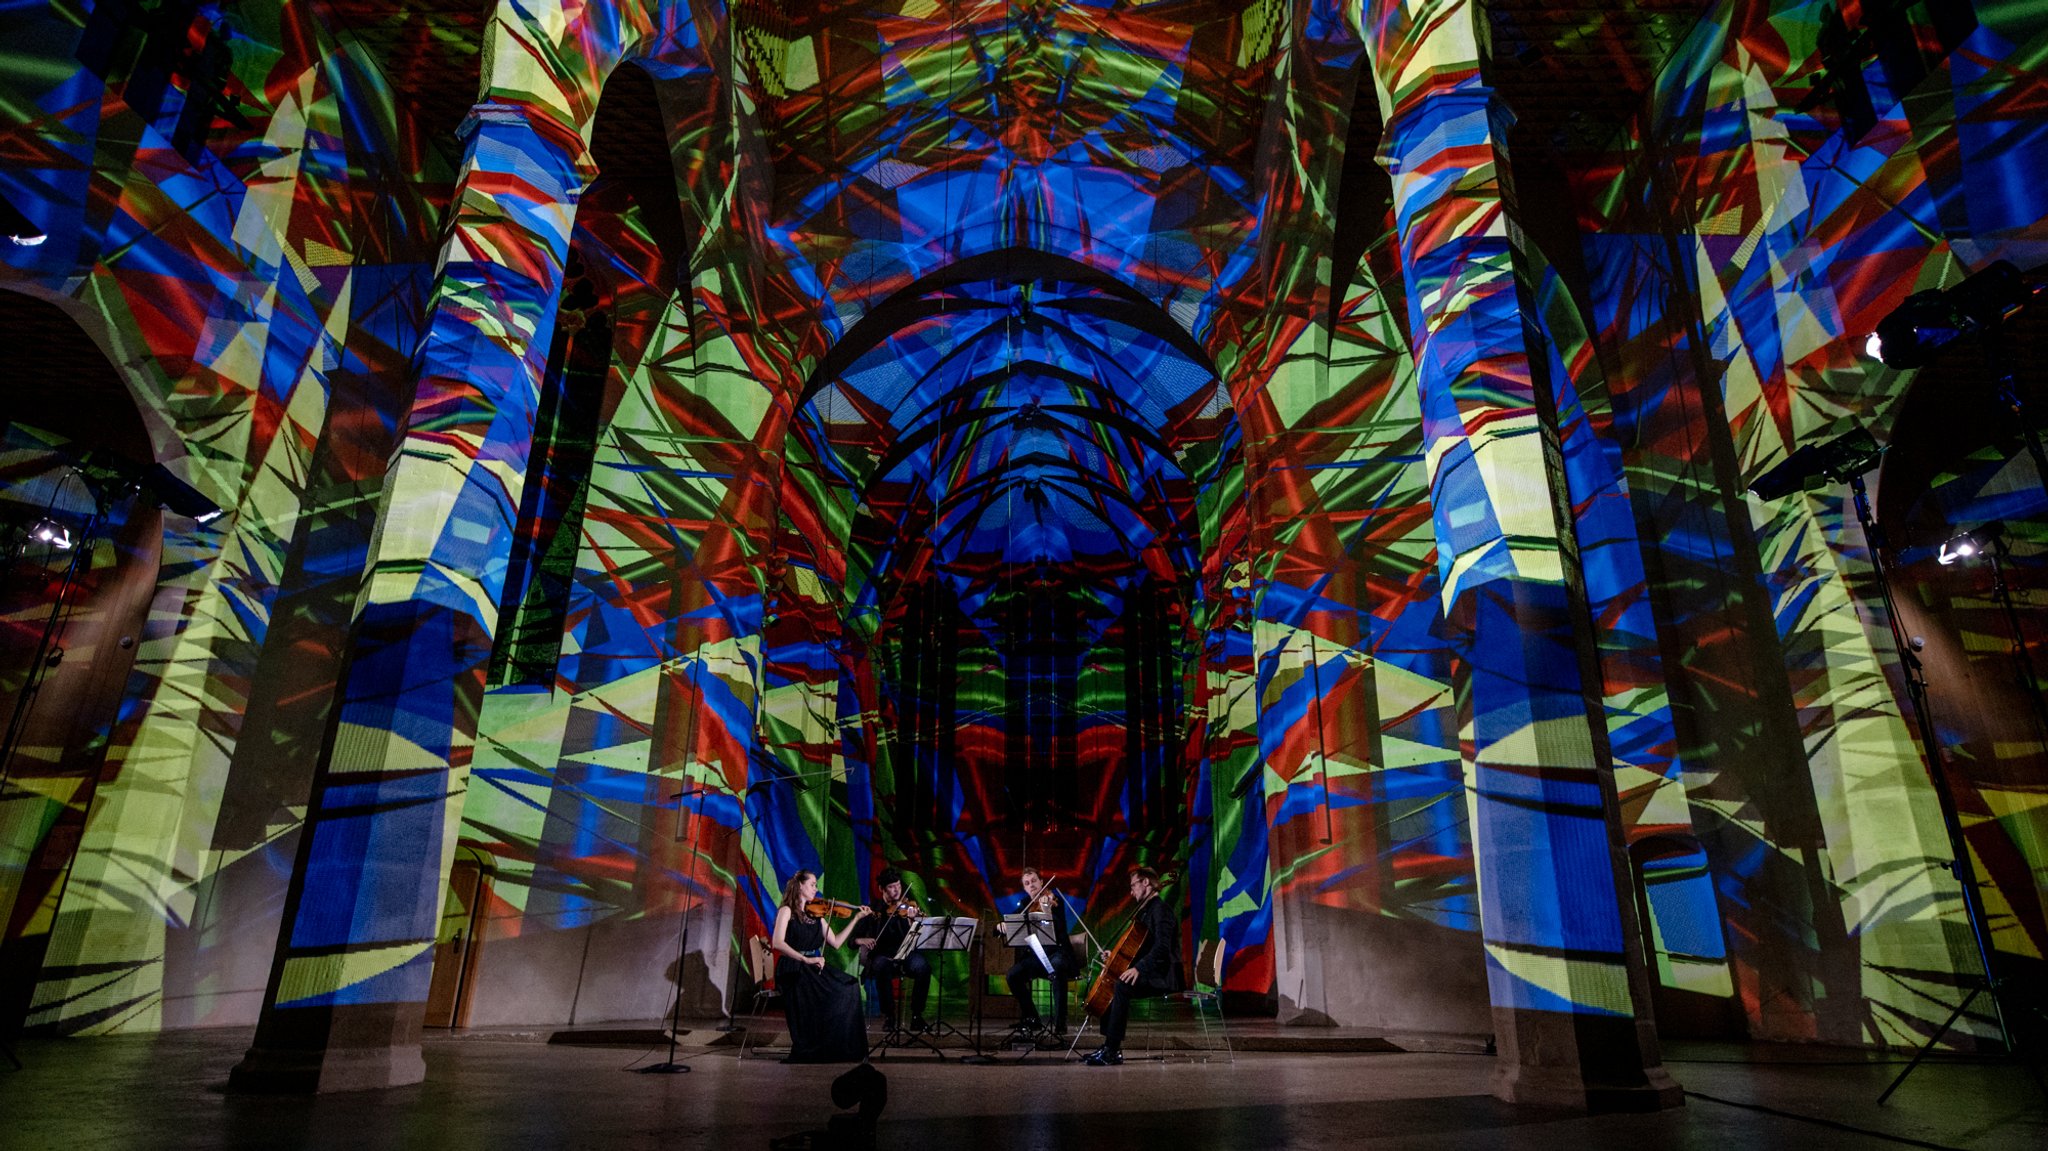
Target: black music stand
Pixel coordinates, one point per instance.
(977, 997)
(1034, 931)
(1020, 929)
(945, 933)
(896, 1034)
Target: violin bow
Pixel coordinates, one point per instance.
(1053, 885)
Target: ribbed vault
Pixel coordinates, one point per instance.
(1025, 445)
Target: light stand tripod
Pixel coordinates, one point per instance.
(2001, 556)
(24, 700)
(39, 663)
(1930, 743)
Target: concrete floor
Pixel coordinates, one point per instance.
(512, 1090)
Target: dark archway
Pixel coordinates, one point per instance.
(58, 380)
(79, 559)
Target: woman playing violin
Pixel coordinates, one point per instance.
(822, 1003)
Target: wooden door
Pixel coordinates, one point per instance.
(456, 946)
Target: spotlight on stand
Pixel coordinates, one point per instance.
(1968, 545)
(1816, 465)
(53, 533)
(1929, 321)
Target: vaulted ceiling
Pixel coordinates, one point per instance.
(1018, 413)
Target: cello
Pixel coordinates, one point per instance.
(1114, 963)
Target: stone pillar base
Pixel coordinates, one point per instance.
(315, 1050)
(265, 1071)
(1585, 1062)
(1568, 1088)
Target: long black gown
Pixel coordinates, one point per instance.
(821, 1004)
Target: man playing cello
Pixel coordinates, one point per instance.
(1154, 971)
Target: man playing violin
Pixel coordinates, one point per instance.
(1056, 963)
(881, 937)
(1154, 971)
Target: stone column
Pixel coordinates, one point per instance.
(348, 987)
(1565, 970)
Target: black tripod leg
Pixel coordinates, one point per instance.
(1932, 1040)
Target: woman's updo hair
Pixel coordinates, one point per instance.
(793, 891)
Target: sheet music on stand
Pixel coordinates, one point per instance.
(943, 933)
(1031, 930)
(940, 933)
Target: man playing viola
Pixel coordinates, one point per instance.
(880, 937)
(1153, 972)
(1054, 963)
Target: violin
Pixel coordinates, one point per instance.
(830, 908)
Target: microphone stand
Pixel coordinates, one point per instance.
(670, 1066)
(755, 787)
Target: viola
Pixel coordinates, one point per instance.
(830, 909)
(1044, 903)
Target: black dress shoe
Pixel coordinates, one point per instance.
(917, 1025)
(1104, 1056)
(1030, 1029)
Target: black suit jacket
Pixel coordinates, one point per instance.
(1158, 962)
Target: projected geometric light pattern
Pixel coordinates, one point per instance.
(1028, 453)
(743, 610)
(909, 138)
(1029, 423)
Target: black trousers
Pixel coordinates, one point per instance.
(886, 969)
(1118, 1017)
(1023, 973)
